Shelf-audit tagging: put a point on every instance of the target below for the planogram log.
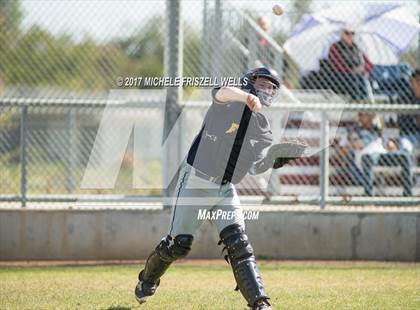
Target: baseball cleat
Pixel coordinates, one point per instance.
(139, 294)
(262, 304)
(144, 289)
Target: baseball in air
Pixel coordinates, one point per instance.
(277, 10)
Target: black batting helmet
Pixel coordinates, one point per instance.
(249, 78)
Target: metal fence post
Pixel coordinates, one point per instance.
(23, 155)
(173, 68)
(205, 41)
(217, 59)
(72, 155)
(324, 159)
(278, 64)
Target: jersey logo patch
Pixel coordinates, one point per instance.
(252, 141)
(232, 128)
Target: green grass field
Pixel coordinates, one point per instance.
(291, 285)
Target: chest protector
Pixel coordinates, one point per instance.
(231, 139)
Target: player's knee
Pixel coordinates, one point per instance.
(179, 248)
(182, 245)
(236, 242)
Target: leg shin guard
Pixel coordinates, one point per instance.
(242, 260)
(164, 254)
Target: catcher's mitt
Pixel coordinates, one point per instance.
(280, 154)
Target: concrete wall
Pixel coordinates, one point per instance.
(132, 234)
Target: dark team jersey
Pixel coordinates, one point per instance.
(231, 139)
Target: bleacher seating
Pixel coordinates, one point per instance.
(391, 80)
(303, 175)
(353, 86)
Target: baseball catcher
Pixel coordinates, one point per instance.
(234, 139)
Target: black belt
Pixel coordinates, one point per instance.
(207, 177)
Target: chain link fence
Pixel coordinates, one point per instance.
(60, 60)
(389, 168)
(46, 148)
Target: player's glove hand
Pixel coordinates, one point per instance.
(280, 154)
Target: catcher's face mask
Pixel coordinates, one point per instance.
(265, 90)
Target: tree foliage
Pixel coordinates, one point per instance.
(36, 58)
